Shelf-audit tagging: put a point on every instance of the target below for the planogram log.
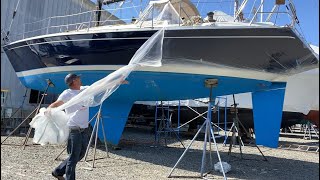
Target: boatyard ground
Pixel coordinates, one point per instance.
(140, 158)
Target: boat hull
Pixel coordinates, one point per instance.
(272, 50)
(242, 60)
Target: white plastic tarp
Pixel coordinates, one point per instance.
(158, 12)
(52, 128)
(302, 94)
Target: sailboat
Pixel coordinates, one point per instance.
(243, 56)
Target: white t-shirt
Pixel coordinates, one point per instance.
(79, 115)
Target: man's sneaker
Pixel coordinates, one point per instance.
(57, 176)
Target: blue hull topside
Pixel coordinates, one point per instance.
(153, 86)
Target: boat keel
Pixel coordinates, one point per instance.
(267, 115)
(114, 117)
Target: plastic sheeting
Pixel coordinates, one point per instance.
(302, 94)
(149, 54)
(258, 60)
(54, 126)
(51, 127)
(158, 12)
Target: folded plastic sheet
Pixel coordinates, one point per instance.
(54, 125)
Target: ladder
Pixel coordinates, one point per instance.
(309, 130)
(162, 122)
(4, 95)
(5, 111)
(221, 105)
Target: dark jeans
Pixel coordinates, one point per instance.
(77, 145)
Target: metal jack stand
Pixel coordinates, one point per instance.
(36, 110)
(235, 132)
(164, 127)
(95, 131)
(307, 131)
(67, 145)
(234, 128)
(210, 83)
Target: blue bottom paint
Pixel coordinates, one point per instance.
(267, 115)
(150, 86)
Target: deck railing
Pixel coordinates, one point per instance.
(86, 20)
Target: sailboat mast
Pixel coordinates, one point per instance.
(13, 16)
(261, 10)
(235, 8)
(98, 12)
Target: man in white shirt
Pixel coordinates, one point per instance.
(78, 123)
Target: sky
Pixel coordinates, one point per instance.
(307, 13)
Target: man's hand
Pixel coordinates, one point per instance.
(124, 82)
(47, 113)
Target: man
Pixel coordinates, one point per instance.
(78, 123)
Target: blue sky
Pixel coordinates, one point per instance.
(307, 12)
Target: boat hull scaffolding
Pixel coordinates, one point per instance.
(242, 59)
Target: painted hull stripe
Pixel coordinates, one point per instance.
(184, 69)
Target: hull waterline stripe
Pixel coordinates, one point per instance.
(172, 68)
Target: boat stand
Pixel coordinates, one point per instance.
(96, 131)
(201, 115)
(67, 145)
(210, 83)
(164, 126)
(235, 135)
(36, 110)
(308, 131)
(214, 108)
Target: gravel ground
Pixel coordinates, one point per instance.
(140, 158)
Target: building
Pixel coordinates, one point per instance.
(33, 18)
